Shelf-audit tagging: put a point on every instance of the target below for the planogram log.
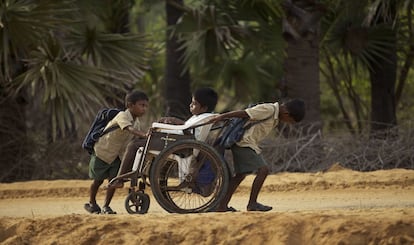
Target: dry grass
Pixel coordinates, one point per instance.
(314, 152)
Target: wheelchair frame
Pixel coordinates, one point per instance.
(175, 191)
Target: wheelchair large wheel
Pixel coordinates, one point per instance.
(189, 177)
(137, 202)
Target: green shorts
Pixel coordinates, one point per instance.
(246, 160)
(100, 170)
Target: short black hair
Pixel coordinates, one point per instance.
(206, 97)
(296, 109)
(135, 96)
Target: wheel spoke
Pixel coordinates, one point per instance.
(186, 184)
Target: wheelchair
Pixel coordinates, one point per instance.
(185, 175)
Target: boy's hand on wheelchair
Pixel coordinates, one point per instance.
(171, 120)
(164, 120)
(147, 133)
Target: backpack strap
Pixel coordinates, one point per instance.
(110, 129)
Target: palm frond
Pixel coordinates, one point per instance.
(365, 44)
(66, 86)
(207, 34)
(126, 53)
(24, 23)
(218, 31)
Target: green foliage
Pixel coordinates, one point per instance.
(351, 36)
(71, 57)
(233, 47)
(405, 109)
(352, 42)
(24, 23)
(47, 49)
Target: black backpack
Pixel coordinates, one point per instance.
(234, 130)
(102, 118)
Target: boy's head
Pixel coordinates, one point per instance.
(292, 111)
(204, 100)
(137, 103)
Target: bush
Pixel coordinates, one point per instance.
(364, 152)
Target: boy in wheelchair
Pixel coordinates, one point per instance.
(204, 101)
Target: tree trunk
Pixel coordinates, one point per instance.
(14, 164)
(121, 25)
(383, 76)
(14, 145)
(301, 66)
(302, 78)
(177, 81)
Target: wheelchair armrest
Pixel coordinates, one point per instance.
(157, 125)
(201, 122)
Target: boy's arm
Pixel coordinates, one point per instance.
(171, 120)
(136, 132)
(230, 114)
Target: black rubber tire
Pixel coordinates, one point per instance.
(137, 202)
(168, 189)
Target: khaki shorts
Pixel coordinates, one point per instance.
(246, 160)
(100, 170)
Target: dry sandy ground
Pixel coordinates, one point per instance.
(335, 207)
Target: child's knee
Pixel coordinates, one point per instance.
(97, 182)
(240, 177)
(263, 170)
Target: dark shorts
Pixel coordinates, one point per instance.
(100, 170)
(246, 160)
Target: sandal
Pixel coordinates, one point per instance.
(231, 209)
(259, 207)
(108, 210)
(92, 208)
(228, 209)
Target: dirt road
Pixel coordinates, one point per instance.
(335, 207)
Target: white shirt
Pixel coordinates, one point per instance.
(200, 133)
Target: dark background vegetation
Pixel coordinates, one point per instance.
(350, 60)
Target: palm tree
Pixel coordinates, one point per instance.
(232, 46)
(222, 37)
(177, 89)
(383, 74)
(302, 34)
(62, 58)
(368, 34)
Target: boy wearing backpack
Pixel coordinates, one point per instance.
(246, 152)
(109, 149)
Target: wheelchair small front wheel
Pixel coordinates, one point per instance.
(137, 202)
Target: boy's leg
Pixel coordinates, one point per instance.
(234, 183)
(92, 206)
(253, 205)
(108, 198)
(94, 190)
(113, 169)
(129, 156)
(127, 162)
(95, 174)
